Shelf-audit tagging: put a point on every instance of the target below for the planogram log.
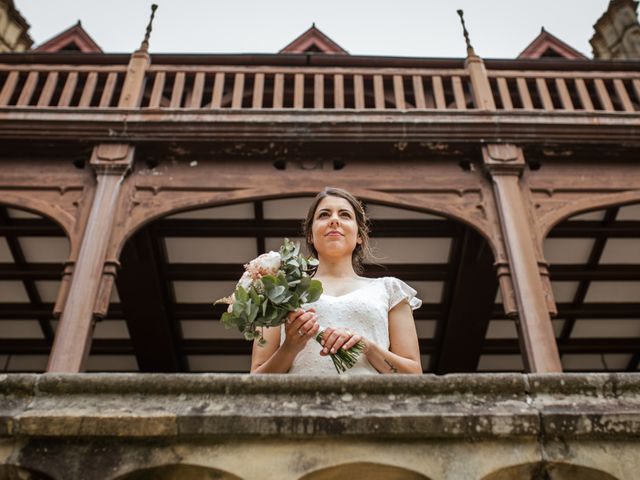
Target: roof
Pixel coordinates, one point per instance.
(75, 38)
(548, 45)
(313, 40)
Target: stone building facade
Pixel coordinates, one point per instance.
(133, 187)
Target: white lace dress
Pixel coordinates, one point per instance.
(363, 311)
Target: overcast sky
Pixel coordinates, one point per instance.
(421, 28)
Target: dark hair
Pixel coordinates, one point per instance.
(363, 250)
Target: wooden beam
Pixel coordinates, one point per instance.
(470, 307)
(144, 300)
(291, 228)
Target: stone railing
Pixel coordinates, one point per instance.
(475, 427)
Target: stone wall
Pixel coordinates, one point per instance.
(212, 426)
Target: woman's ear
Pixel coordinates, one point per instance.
(359, 241)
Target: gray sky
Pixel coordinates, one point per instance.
(425, 28)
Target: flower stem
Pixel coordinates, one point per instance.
(344, 359)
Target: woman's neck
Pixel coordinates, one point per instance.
(336, 268)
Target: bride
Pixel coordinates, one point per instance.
(352, 308)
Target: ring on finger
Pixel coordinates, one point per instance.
(301, 333)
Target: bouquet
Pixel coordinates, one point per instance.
(273, 285)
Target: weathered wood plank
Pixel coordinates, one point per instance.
(458, 93)
(543, 91)
(258, 91)
(418, 91)
(8, 88)
(28, 89)
(583, 94)
(218, 88)
(623, 95)
(378, 91)
(178, 90)
(565, 97)
(318, 91)
(198, 89)
(278, 90)
(603, 95)
(238, 91)
(298, 90)
(107, 92)
(505, 95)
(89, 89)
(358, 92)
(438, 92)
(48, 89)
(398, 92)
(68, 90)
(525, 96)
(338, 91)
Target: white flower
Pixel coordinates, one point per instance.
(245, 281)
(265, 264)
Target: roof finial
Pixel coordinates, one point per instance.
(470, 50)
(144, 46)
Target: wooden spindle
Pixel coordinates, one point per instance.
(28, 89)
(525, 97)
(378, 92)
(298, 90)
(358, 92)
(88, 90)
(258, 91)
(178, 90)
(48, 89)
(338, 91)
(398, 91)
(156, 91)
(418, 91)
(107, 92)
(438, 92)
(8, 88)
(458, 93)
(603, 95)
(198, 90)
(68, 90)
(238, 91)
(505, 95)
(318, 91)
(565, 97)
(218, 88)
(543, 92)
(636, 88)
(623, 96)
(278, 90)
(583, 95)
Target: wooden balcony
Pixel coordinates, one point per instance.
(289, 96)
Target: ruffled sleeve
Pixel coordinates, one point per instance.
(400, 291)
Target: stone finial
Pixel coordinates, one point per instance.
(144, 46)
(465, 32)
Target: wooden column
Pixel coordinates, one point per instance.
(92, 277)
(73, 337)
(505, 163)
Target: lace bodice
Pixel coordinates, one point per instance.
(364, 311)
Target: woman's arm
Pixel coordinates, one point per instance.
(403, 355)
(276, 358)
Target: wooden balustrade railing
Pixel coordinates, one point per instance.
(566, 91)
(208, 87)
(55, 86)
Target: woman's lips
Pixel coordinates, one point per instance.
(334, 234)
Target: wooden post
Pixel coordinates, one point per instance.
(505, 163)
(88, 287)
(73, 337)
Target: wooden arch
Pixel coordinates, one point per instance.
(150, 206)
(178, 472)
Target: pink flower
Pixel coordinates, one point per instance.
(265, 264)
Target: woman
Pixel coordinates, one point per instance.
(351, 309)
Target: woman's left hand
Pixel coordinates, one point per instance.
(336, 338)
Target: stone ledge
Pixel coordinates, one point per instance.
(398, 406)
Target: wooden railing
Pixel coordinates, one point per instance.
(566, 91)
(212, 87)
(49, 86)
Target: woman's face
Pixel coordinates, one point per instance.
(334, 230)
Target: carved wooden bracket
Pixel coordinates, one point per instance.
(112, 158)
(503, 159)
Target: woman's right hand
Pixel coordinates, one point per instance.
(300, 327)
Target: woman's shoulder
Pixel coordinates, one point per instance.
(398, 291)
